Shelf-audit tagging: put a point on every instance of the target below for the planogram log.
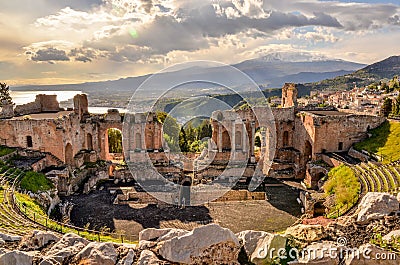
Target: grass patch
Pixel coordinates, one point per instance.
(343, 183)
(34, 182)
(385, 142)
(29, 203)
(5, 150)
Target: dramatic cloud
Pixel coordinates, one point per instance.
(49, 55)
(147, 35)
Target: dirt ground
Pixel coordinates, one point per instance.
(276, 213)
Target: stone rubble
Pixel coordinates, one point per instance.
(212, 244)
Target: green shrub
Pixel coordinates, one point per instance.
(34, 182)
(343, 183)
(5, 150)
(29, 203)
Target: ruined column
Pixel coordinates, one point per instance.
(219, 144)
(143, 138)
(233, 139)
(253, 133)
(244, 133)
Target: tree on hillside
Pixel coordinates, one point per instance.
(183, 143)
(114, 141)
(5, 93)
(396, 107)
(386, 107)
(204, 130)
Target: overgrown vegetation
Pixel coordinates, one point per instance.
(5, 150)
(392, 245)
(114, 141)
(29, 203)
(344, 185)
(34, 182)
(5, 94)
(385, 142)
(190, 138)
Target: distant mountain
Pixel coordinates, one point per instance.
(376, 72)
(270, 71)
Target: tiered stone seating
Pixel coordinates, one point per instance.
(11, 221)
(379, 178)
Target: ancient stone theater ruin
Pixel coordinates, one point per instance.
(303, 135)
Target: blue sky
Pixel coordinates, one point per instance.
(53, 42)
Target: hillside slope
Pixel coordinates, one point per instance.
(385, 69)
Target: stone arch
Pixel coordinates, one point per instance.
(308, 151)
(226, 142)
(69, 154)
(285, 140)
(150, 140)
(113, 144)
(89, 141)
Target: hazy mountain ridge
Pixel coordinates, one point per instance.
(269, 71)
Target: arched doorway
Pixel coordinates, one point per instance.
(226, 141)
(114, 144)
(69, 154)
(89, 141)
(285, 141)
(308, 151)
(184, 197)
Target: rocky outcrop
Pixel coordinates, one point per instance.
(98, 253)
(65, 249)
(373, 255)
(264, 254)
(37, 240)
(204, 245)
(375, 205)
(393, 235)
(212, 244)
(318, 253)
(10, 238)
(153, 234)
(307, 233)
(249, 239)
(17, 257)
(147, 257)
(128, 258)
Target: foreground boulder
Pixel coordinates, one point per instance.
(249, 240)
(268, 249)
(153, 234)
(65, 249)
(322, 253)
(149, 258)
(372, 255)
(37, 240)
(128, 258)
(393, 235)
(210, 244)
(98, 253)
(307, 233)
(16, 258)
(375, 205)
(10, 238)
